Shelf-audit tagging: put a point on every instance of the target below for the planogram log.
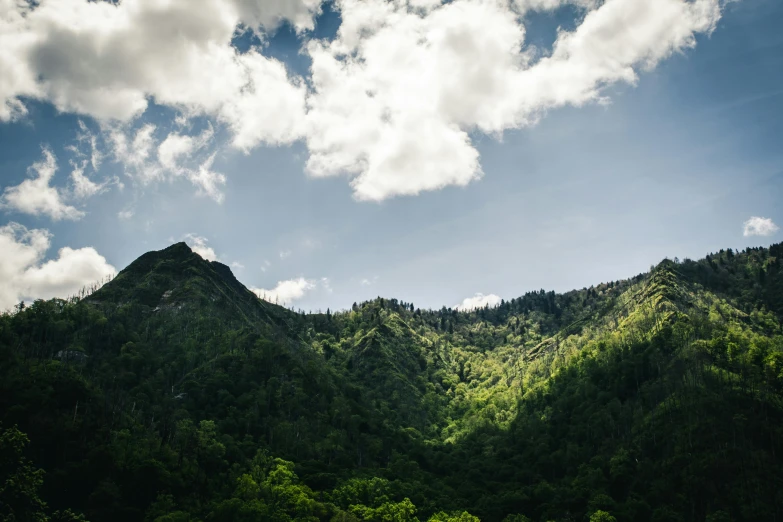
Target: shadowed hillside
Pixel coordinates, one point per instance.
(174, 393)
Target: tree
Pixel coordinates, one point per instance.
(389, 512)
(19, 480)
(602, 516)
(19, 484)
(455, 516)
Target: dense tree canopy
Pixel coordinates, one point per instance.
(174, 394)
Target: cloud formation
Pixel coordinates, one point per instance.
(148, 159)
(84, 187)
(198, 244)
(24, 275)
(759, 226)
(392, 102)
(135, 149)
(37, 197)
(478, 301)
(396, 94)
(523, 6)
(109, 60)
(285, 292)
(84, 136)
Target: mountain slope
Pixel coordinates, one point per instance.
(176, 281)
(168, 393)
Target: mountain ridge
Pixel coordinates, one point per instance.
(193, 398)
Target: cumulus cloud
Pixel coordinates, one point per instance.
(198, 244)
(478, 301)
(391, 102)
(397, 92)
(24, 275)
(759, 226)
(285, 292)
(270, 13)
(37, 197)
(108, 60)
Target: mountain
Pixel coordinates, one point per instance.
(180, 281)
(173, 393)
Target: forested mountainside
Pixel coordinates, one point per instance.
(174, 394)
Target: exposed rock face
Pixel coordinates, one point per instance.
(71, 356)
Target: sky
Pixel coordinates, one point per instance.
(446, 153)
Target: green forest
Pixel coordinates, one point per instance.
(174, 394)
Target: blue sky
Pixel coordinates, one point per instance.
(593, 184)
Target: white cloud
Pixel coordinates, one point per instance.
(172, 148)
(24, 275)
(177, 155)
(396, 93)
(85, 136)
(16, 76)
(125, 214)
(269, 13)
(265, 265)
(392, 101)
(134, 150)
(326, 284)
(237, 265)
(284, 254)
(208, 181)
(36, 197)
(523, 6)
(198, 244)
(84, 187)
(368, 282)
(478, 301)
(177, 146)
(759, 226)
(285, 292)
(109, 60)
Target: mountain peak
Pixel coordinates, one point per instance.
(177, 248)
(176, 279)
(175, 268)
